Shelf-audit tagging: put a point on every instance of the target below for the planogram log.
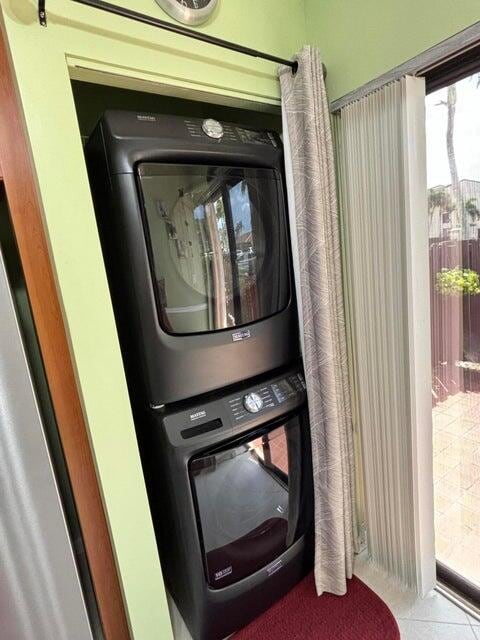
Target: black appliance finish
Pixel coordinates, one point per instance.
(231, 475)
(194, 234)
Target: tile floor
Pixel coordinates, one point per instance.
(456, 468)
(433, 618)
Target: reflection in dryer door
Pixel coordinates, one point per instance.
(218, 245)
(248, 501)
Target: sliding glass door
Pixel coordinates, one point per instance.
(453, 155)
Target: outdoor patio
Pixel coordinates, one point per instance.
(456, 467)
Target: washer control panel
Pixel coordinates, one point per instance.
(267, 396)
(224, 416)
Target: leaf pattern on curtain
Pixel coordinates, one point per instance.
(313, 202)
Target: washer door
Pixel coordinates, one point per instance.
(248, 498)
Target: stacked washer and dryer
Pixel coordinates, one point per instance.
(193, 225)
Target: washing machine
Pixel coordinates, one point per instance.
(230, 486)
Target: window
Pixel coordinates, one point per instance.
(453, 140)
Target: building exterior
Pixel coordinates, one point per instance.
(444, 220)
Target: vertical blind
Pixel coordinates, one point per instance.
(382, 176)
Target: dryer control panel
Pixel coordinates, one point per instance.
(233, 413)
(228, 132)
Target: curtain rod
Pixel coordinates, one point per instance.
(168, 26)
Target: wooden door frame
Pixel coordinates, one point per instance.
(26, 212)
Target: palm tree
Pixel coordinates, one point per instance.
(452, 161)
(439, 199)
(451, 104)
(471, 209)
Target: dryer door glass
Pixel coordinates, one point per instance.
(217, 243)
(249, 499)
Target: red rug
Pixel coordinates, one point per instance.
(301, 615)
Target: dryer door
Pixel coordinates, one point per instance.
(250, 499)
(218, 245)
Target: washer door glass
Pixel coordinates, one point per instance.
(217, 243)
(248, 499)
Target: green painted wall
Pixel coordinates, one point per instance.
(79, 38)
(360, 40)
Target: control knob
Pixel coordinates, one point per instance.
(212, 128)
(252, 402)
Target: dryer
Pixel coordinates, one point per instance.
(193, 226)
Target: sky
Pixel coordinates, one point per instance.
(466, 134)
(240, 203)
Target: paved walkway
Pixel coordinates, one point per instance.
(456, 469)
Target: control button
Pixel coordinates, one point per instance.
(212, 128)
(252, 402)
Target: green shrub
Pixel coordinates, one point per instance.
(457, 282)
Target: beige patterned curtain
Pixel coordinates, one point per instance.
(316, 248)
